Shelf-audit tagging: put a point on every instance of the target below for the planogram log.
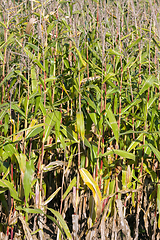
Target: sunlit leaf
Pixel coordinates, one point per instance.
(80, 124)
(52, 196)
(158, 203)
(135, 143)
(147, 83)
(10, 187)
(121, 153)
(72, 183)
(89, 181)
(113, 123)
(62, 223)
(29, 171)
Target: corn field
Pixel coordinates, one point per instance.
(79, 119)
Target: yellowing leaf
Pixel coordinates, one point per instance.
(89, 181)
(158, 203)
(80, 124)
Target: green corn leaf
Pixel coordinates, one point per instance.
(22, 163)
(134, 42)
(27, 180)
(113, 52)
(108, 76)
(30, 210)
(49, 123)
(36, 48)
(62, 223)
(42, 108)
(155, 151)
(9, 149)
(2, 113)
(71, 185)
(21, 75)
(1, 56)
(113, 123)
(148, 83)
(33, 58)
(134, 103)
(80, 57)
(10, 39)
(58, 117)
(136, 142)
(120, 153)
(9, 75)
(17, 108)
(10, 187)
(34, 132)
(70, 134)
(50, 27)
(54, 220)
(1, 23)
(91, 103)
(152, 100)
(6, 124)
(34, 79)
(124, 179)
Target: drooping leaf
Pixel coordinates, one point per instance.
(10, 149)
(34, 132)
(6, 184)
(121, 153)
(89, 181)
(21, 75)
(33, 58)
(70, 134)
(155, 151)
(54, 220)
(114, 52)
(30, 210)
(62, 223)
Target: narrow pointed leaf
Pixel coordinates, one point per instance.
(158, 203)
(148, 83)
(135, 143)
(72, 183)
(52, 196)
(9, 185)
(80, 124)
(62, 223)
(155, 151)
(121, 153)
(49, 123)
(89, 181)
(113, 123)
(28, 178)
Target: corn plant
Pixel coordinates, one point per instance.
(79, 119)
